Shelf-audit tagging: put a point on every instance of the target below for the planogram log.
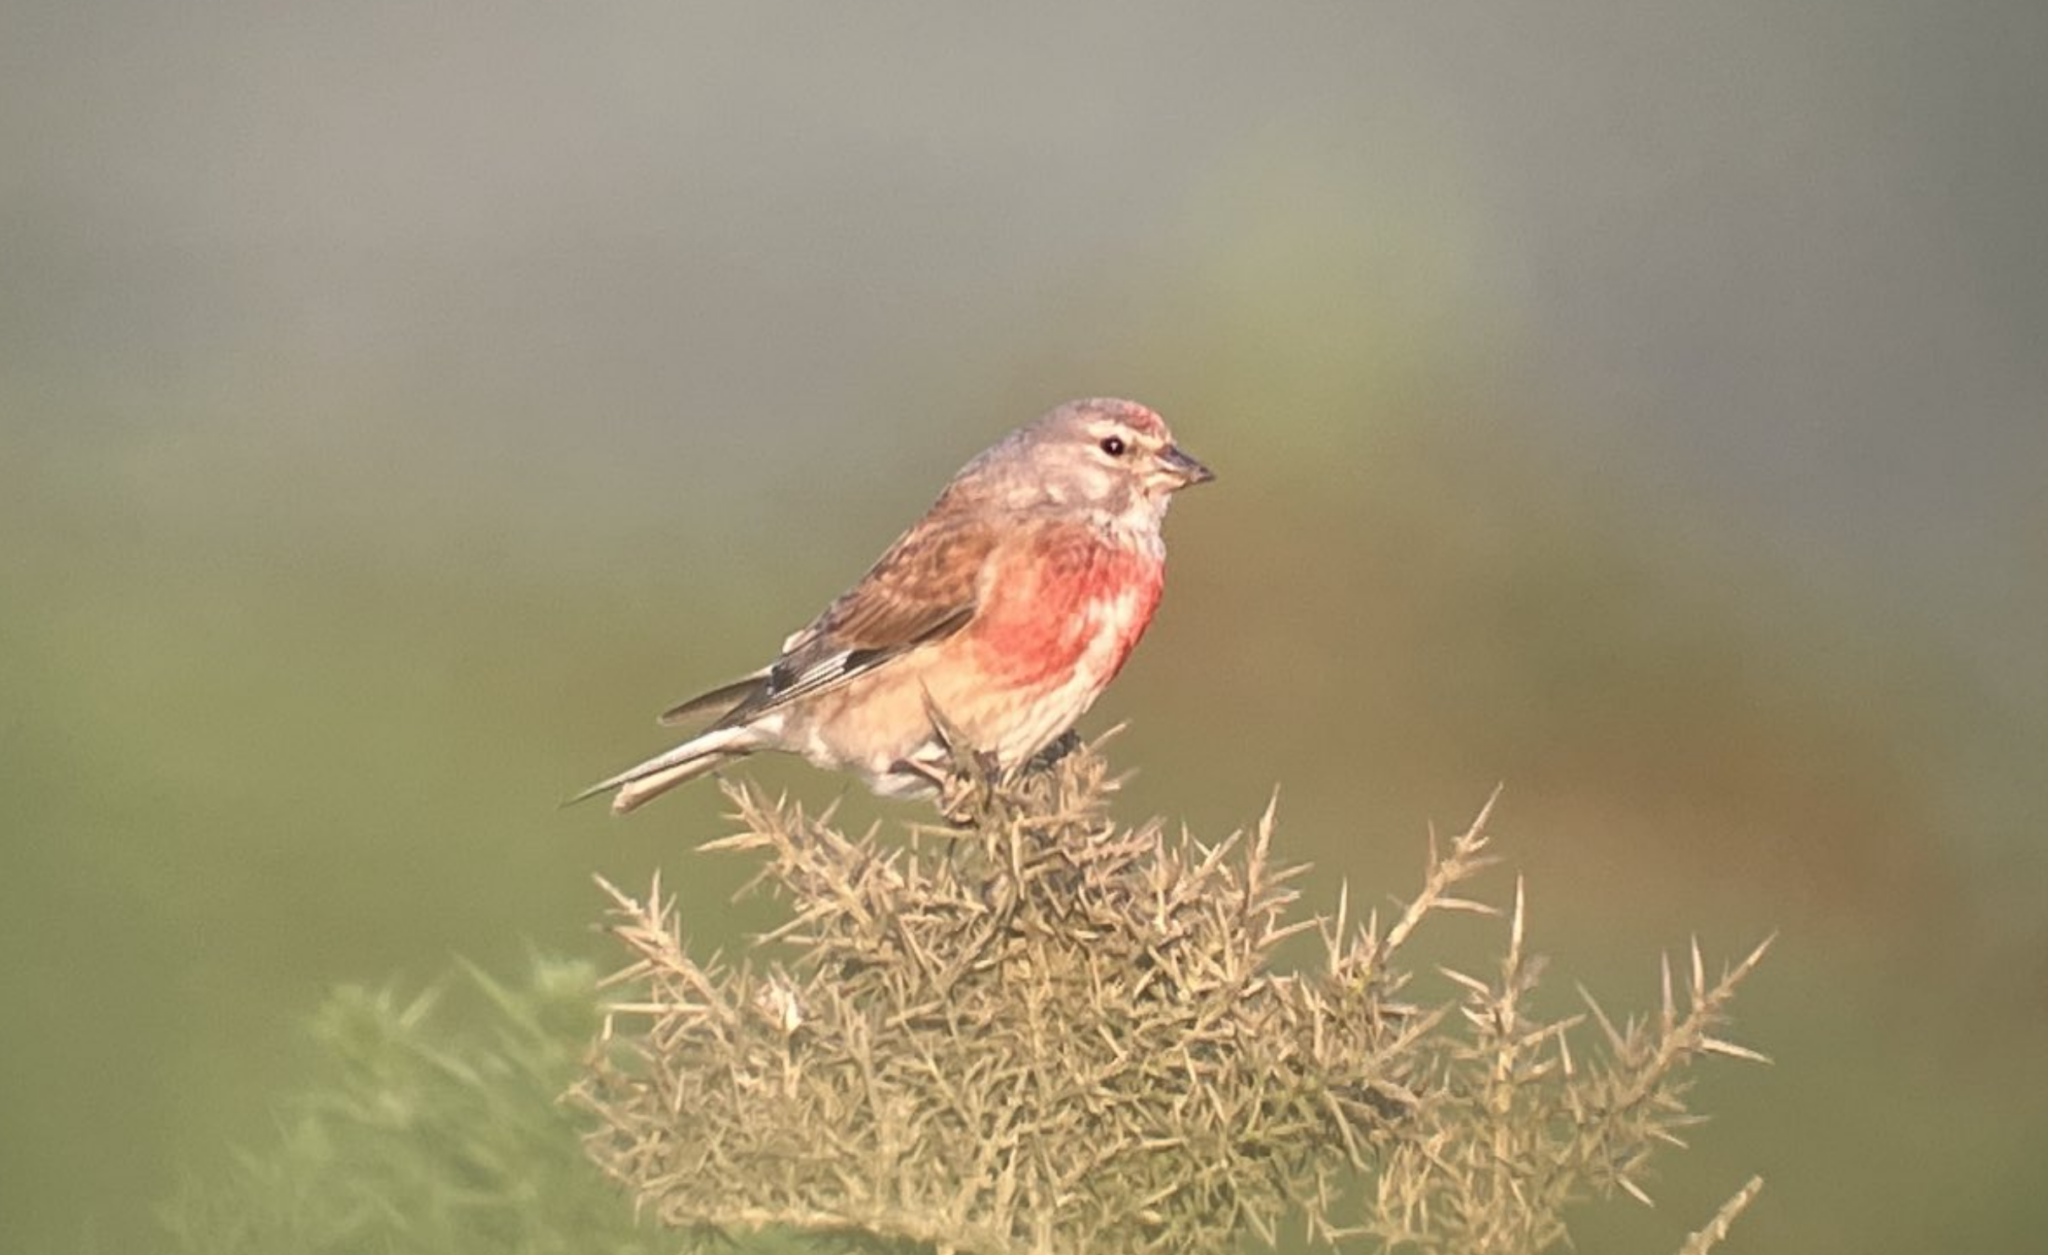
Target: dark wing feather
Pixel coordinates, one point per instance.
(725, 695)
(923, 589)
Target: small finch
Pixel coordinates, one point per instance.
(1001, 615)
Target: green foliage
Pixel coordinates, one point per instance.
(428, 1130)
(1040, 1033)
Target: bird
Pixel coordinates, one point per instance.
(991, 624)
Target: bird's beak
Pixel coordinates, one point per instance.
(1183, 470)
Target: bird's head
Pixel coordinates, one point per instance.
(1117, 457)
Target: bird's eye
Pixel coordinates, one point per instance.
(1113, 446)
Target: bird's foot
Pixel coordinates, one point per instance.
(1049, 757)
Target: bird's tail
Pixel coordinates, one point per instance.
(646, 781)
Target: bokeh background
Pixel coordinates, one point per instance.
(1642, 405)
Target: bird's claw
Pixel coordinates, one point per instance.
(1049, 757)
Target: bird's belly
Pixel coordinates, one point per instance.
(871, 726)
(1032, 661)
(1037, 659)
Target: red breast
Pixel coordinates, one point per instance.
(1056, 600)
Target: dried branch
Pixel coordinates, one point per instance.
(1039, 1033)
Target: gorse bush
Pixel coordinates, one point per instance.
(1040, 1033)
(1033, 1031)
(428, 1130)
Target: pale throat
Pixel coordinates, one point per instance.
(1136, 526)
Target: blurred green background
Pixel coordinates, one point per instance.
(1645, 406)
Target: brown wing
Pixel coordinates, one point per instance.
(923, 589)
